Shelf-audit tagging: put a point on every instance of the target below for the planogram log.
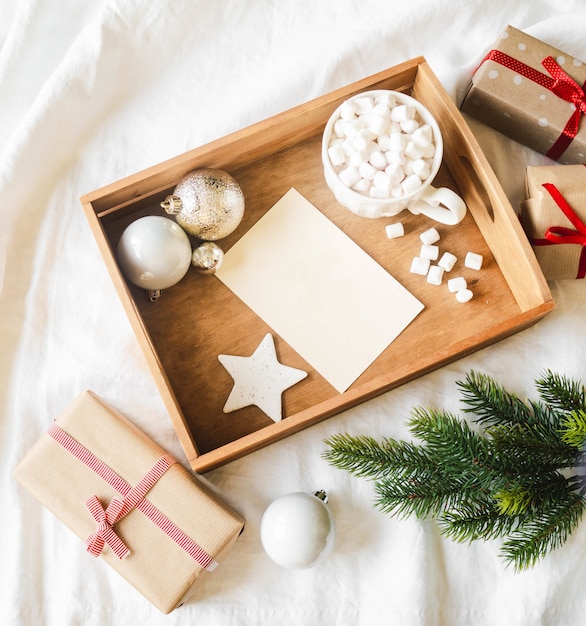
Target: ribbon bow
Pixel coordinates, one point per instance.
(562, 234)
(559, 83)
(104, 533)
(117, 509)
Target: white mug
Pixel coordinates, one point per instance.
(440, 204)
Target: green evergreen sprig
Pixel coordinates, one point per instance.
(516, 475)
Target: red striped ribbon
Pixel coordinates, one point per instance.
(559, 83)
(104, 532)
(563, 235)
(133, 497)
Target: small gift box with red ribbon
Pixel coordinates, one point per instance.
(554, 217)
(138, 509)
(533, 93)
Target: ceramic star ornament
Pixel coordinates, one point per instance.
(259, 379)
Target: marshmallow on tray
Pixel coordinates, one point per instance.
(429, 236)
(473, 261)
(447, 261)
(464, 295)
(429, 252)
(394, 230)
(435, 275)
(375, 132)
(457, 284)
(420, 266)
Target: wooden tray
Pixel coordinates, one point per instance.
(184, 331)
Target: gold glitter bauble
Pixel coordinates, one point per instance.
(207, 203)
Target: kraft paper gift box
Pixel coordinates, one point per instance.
(553, 215)
(151, 520)
(533, 93)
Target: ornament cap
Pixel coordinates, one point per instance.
(321, 495)
(172, 205)
(154, 294)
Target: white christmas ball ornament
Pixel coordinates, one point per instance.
(297, 530)
(154, 253)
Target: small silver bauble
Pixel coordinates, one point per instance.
(207, 258)
(207, 203)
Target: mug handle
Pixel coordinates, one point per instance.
(440, 204)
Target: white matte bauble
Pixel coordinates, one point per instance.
(297, 530)
(154, 252)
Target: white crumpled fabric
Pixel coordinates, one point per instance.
(92, 91)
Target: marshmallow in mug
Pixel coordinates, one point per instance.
(381, 148)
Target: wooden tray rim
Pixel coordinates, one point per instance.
(157, 180)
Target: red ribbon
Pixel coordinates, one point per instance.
(133, 498)
(104, 533)
(117, 509)
(559, 83)
(563, 235)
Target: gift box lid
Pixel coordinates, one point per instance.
(93, 457)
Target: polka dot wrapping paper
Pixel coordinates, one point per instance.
(533, 93)
(553, 215)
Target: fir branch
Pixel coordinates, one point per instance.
(444, 434)
(503, 482)
(577, 483)
(492, 403)
(425, 495)
(361, 456)
(458, 451)
(483, 521)
(543, 489)
(573, 429)
(365, 457)
(513, 502)
(560, 392)
(547, 417)
(532, 493)
(532, 448)
(543, 532)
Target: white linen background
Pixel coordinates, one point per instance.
(94, 90)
